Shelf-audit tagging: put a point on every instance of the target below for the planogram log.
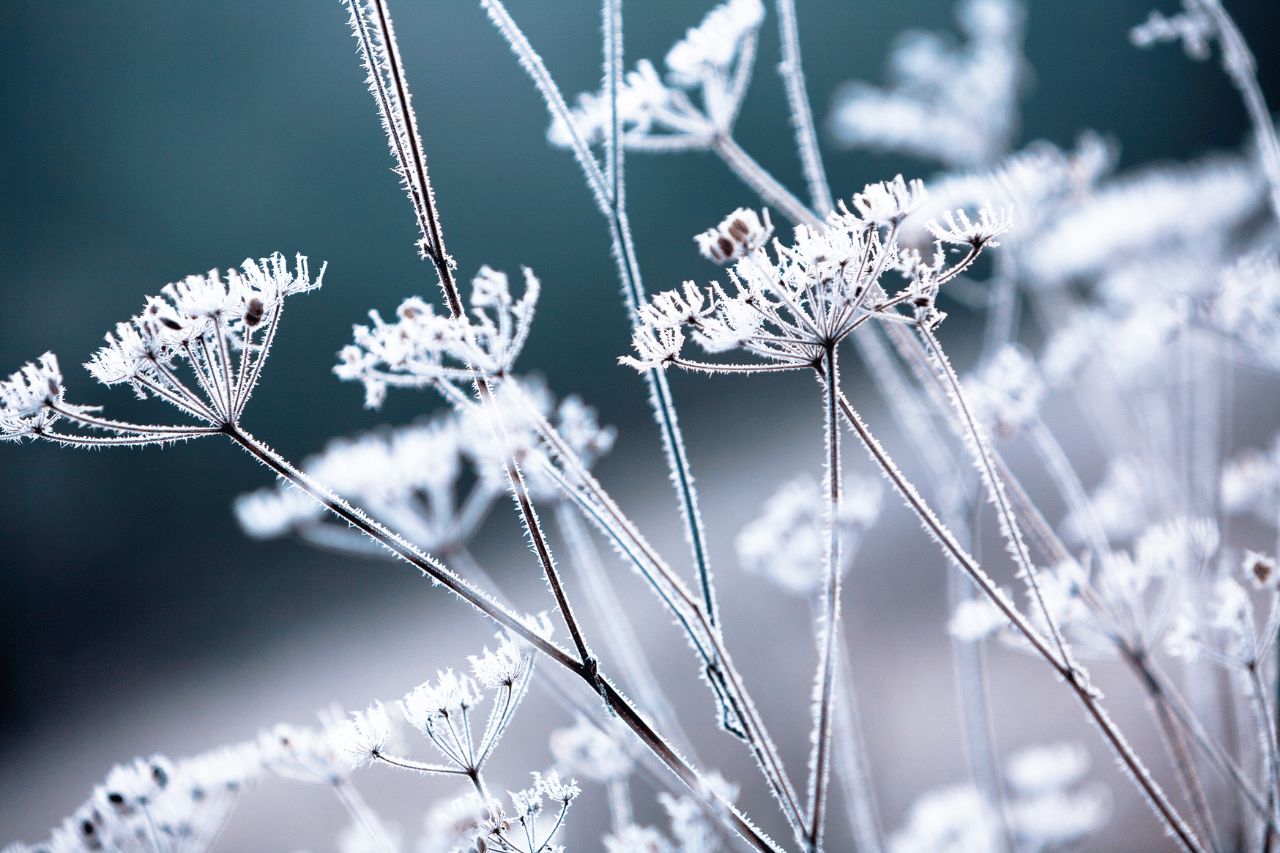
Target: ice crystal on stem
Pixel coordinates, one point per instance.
(221, 328)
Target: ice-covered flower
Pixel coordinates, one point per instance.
(363, 737)
(1250, 482)
(961, 231)
(976, 619)
(452, 825)
(1188, 213)
(642, 98)
(715, 58)
(637, 839)
(222, 329)
(305, 754)
(888, 203)
(710, 48)
(1053, 821)
(788, 310)
(950, 820)
(157, 805)
(422, 348)
(448, 694)
(409, 478)
(503, 667)
(1193, 27)
(30, 398)
(737, 236)
(953, 103)
(1260, 569)
(1043, 769)
(1247, 307)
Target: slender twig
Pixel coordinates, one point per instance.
(1156, 798)
(1242, 68)
(621, 638)
(801, 115)
(995, 490)
(624, 255)
(439, 573)
(364, 816)
(829, 619)
(766, 186)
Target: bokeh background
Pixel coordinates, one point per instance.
(141, 142)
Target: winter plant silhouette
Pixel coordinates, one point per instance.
(1142, 570)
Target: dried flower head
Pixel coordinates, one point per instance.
(737, 236)
(789, 311)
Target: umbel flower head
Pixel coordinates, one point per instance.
(714, 58)
(422, 348)
(791, 308)
(155, 804)
(220, 328)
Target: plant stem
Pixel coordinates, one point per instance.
(1070, 674)
(769, 189)
(829, 633)
(801, 115)
(506, 619)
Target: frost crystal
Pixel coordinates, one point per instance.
(363, 737)
(422, 348)
(709, 49)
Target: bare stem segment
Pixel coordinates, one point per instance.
(505, 618)
(1045, 648)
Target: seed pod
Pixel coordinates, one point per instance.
(253, 312)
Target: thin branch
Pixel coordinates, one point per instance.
(437, 571)
(801, 115)
(1129, 759)
(829, 620)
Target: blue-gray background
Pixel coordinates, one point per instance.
(144, 141)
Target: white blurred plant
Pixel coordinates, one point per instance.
(1148, 290)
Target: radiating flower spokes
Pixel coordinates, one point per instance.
(424, 349)
(221, 329)
(789, 309)
(714, 59)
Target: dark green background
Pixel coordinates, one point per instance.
(144, 141)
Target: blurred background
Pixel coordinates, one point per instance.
(142, 142)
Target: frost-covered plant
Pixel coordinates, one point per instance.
(1125, 276)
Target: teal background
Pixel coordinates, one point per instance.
(141, 142)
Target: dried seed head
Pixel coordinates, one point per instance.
(1260, 568)
(253, 312)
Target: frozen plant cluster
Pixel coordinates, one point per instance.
(1143, 293)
